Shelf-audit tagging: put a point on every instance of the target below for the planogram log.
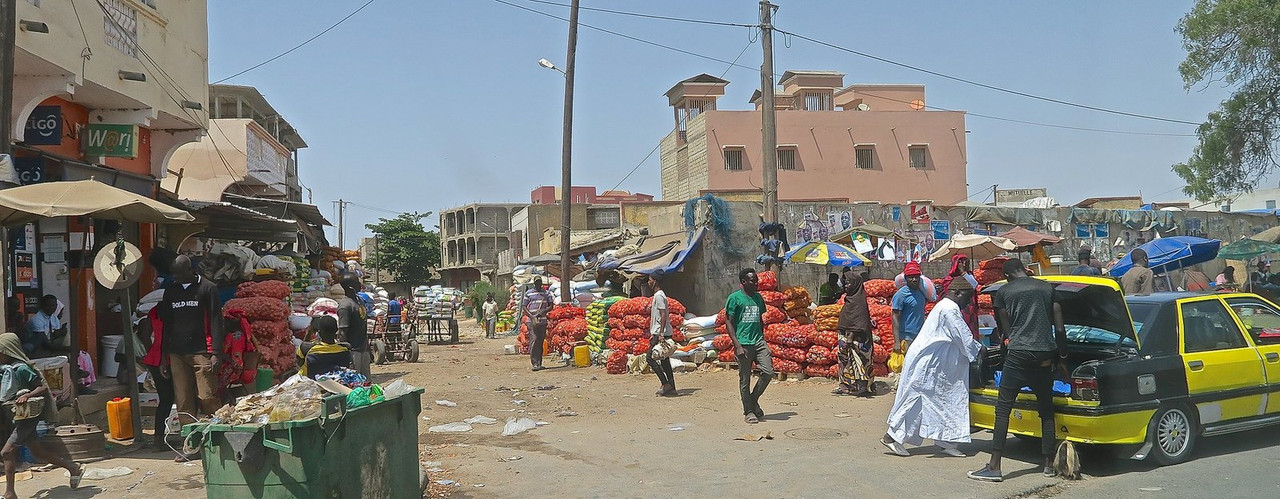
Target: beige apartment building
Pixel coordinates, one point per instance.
(861, 142)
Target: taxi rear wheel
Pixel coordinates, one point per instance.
(1173, 432)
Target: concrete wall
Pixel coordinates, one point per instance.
(710, 274)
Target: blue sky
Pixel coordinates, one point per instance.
(423, 105)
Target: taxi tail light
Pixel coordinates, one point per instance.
(1084, 388)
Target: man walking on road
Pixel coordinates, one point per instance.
(660, 331)
(352, 319)
(745, 321)
(191, 312)
(1037, 340)
(908, 308)
(537, 303)
(490, 311)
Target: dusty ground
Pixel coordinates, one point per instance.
(624, 442)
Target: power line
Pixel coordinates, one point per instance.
(160, 82)
(734, 64)
(374, 208)
(649, 16)
(615, 33)
(298, 46)
(988, 86)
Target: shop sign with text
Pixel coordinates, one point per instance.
(119, 141)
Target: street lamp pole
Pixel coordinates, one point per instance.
(566, 155)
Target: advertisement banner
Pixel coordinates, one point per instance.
(117, 141)
(44, 127)
(941, 230)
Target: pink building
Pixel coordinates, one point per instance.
(862, 142)
(548, 194)
(586, 195)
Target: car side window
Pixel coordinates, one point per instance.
(1208, 326)
(1261, 320)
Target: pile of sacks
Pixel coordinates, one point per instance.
(563, 322)
(598, 323)
(629, 325)
(264, 307)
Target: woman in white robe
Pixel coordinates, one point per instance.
(933, 393)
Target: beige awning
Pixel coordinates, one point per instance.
(77, 198)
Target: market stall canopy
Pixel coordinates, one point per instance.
(826, 253)
(281, 209)
(1171, 253)
(874, 230)
(1023, 237)
(78, 198)
(232, 222)
(1245, 249)
(1271, 235)
(669, 255)
(976, 247)
(542, 259)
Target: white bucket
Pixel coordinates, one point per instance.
(108, 367)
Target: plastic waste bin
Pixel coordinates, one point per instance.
(369, 451)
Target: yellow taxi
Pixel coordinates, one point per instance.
(1154, 372)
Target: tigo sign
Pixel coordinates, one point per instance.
(44, 126)
(112, 140)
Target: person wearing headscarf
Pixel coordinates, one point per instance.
(855, 347)
(933, 394)
(21, 388)
(960, 268)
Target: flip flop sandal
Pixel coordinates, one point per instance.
(75, 479)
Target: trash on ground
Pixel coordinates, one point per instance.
(768, 435)
(517, 426)
(547, 387)
(102, 473)
(842, 415)
(455, 427)
(510, 459)
(478, 419)
(432, 464)
(446, 482)
(565, 414)
(446, 403)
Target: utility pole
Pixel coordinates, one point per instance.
(8, 40)
(566, 156)
(769, 125)
(342, 218)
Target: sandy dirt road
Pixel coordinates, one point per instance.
(625, 442)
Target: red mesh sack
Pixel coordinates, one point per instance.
(722, 329)
(773, 331)
(880, 370)
(616, 363)
(880, 288)
(676, 321)
(726, 356)
(827, 339)
(880, 354)
(259, 308)
(774, 315)
(267, 289)
(797, 293)
(561, 312)
(674, 307)
(615, 323)
(640, 347)
(984, 301)
(773, 298)
(723, 343)
(820, 355)
(824, 371)
(775, 350)
(787, 366)
(721, 317)
(827, 311)
(678, 336)
(636, 321)
(799, 355)
(768, 280)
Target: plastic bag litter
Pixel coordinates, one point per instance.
(517, 426)
(299, 399)
(446, 403)
(102, 473)
(479, 419)
(397, 388)
(456, 427)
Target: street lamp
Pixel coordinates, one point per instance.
(549, 65)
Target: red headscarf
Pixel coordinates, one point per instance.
(970, 313)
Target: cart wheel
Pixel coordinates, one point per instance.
(412, 354)
(380, 352)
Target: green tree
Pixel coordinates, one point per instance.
(1237, 43)
(405, 248)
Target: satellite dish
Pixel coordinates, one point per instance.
(118, 266)
(864, 107)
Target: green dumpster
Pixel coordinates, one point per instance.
(369, 451)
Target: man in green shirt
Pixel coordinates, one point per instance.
(745, 314)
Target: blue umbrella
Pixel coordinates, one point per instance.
(1172, 253)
